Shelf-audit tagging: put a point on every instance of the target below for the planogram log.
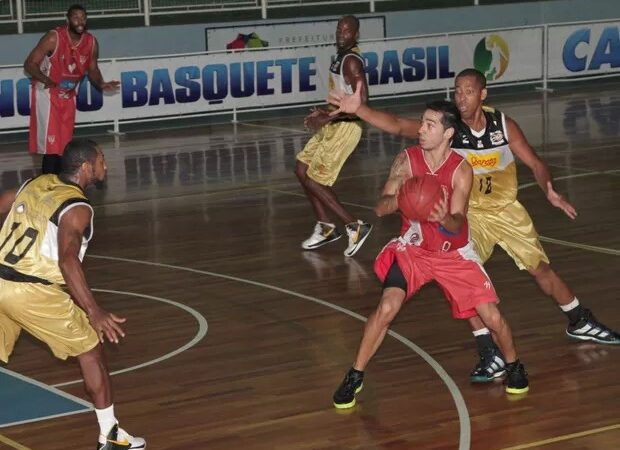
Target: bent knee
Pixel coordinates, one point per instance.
(542, 270)
(389, 307)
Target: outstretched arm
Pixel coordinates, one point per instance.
(452, 216)
(70, 231)
(399, 173)
(353, 71)
(390, 123)
(521, 147)
(94, 74)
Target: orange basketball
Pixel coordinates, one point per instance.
(417, 197)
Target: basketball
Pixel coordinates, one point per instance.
(417, 197)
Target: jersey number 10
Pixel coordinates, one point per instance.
(30, 233)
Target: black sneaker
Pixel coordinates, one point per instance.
(344, 397)
(358, 232)
(590, 329)
(516, 381)
(490, 366)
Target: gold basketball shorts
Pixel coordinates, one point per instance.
(46, 312)
(326, 152)
(512, 229)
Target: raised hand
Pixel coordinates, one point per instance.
(346, 103)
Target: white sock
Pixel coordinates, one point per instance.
(481, 331)
(106, 419)
(571, 305)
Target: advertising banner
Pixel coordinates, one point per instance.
(223, 81)
(584, 49)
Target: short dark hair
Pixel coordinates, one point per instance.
(76, 153)
(470, 72)
(75, 7)
(355, 20)
(450, 115)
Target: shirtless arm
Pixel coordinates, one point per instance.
(399, 173)
(95, 74)
(390, 123)
(32, 65)
(70, 231)
(522, 149)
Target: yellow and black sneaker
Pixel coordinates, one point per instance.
(119, 439)
(358, 232)
(353, 382)
(323, 233)
(516, 381)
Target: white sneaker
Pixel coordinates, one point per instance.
(323, 233)
(358, 232)
(119, 439)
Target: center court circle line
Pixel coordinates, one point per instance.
(464, 421)
(203, 326)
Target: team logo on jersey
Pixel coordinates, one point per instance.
(488, 161)
(480, 144)
(71, 67)
(51, 139)
(21, 208)
(497, 137)
(487, 285)
(82, 59)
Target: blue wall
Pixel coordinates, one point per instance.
(191, 38)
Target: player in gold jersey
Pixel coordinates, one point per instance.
(42, 243)
(490, 140)
(335, 138)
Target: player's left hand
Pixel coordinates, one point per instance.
(440, 210)
(316, 119)
(560, 202)
(110, 86)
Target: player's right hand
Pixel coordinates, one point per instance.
(107, 325)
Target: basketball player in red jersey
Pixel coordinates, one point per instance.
(57, 65)
(438, 249)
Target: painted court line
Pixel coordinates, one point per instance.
(565, 437)
(47, 387)
(200, 334)
(464, 421)
(12, 444)
(590, 248)
(87, 405)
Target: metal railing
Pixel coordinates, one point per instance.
(24, 11)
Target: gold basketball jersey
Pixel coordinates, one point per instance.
(29, 235)
(336, 73)
(489, 154)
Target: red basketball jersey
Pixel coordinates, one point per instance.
(69, 62)
(431, 235)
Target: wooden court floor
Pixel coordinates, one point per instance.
(236, 338)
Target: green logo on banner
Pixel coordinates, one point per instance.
(491, 56)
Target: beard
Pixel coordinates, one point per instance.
(100, 185)
(76, 30)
